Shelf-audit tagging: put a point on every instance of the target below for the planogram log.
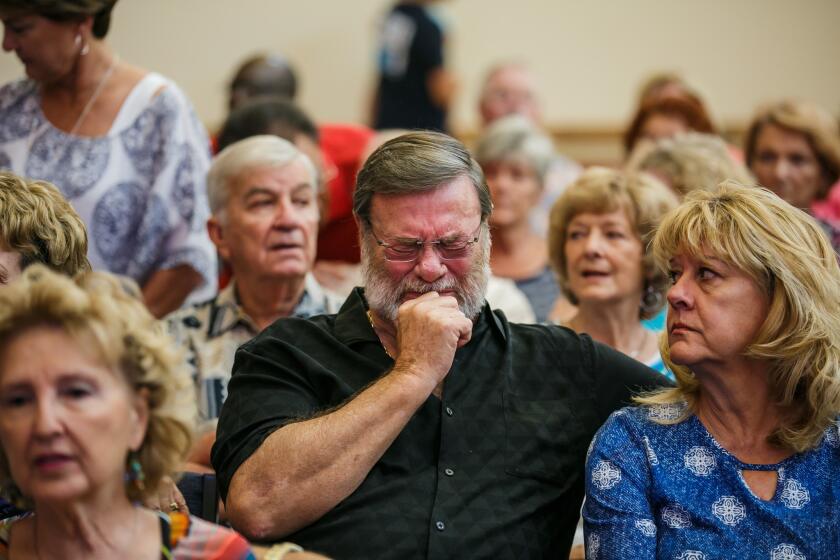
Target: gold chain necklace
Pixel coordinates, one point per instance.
(96, 93)
(370, 320)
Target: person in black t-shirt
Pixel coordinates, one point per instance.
(415, 89)
(417, 422)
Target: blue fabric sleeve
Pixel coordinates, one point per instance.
(618, 520)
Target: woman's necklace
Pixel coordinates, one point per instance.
(96, 93)
(370, 320)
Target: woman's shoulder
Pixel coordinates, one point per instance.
(640, 423)
(17, 88)
(192, 534)
(153, 100)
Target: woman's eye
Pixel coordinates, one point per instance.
(673, 275)
(706, 273)
(302, 201)
(13, 401)
(576, 234)
(77, 391)
(615, 235)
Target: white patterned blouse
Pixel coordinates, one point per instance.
(140, 188)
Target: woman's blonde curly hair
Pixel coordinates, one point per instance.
(39, 224)
(600, 190)
(786, 252)
(108, 310)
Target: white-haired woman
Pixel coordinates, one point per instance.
(740, 459)
(516, 157)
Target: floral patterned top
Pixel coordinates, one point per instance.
(671, 491)
(140, 188)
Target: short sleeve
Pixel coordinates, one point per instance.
(268, 389)
(617, 378)
(618, 519)
(180, 185)
(428, 43)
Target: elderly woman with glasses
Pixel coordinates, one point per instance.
(739, 460)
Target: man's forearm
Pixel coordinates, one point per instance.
(166, 290)
(304, 469)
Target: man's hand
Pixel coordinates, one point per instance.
(430, 329)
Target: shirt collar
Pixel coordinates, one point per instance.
(228, 313)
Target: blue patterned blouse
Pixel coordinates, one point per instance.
(672, 492)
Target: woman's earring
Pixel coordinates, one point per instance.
(135, 474)
(85, 47)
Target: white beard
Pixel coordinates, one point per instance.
(384, 295)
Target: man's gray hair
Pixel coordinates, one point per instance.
(516, 137)
(252, 153)
(414, 163)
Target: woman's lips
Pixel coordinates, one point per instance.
(677, 328)
(50, 462)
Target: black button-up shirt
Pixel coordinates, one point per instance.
(493, 469)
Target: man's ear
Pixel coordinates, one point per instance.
(216, 231)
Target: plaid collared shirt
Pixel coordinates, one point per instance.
(210, 332)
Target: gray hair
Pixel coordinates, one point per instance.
(257, 151)
(414, 163)
(689, 161)
(516, 137)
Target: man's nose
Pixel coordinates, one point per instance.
(286, 216)
(429, 266)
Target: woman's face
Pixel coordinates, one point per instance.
(784, 162)
(604, 258)
(515, 189)
(715, 311)
(47, 48)
(9, 264)
(660, 125)
(67, 421)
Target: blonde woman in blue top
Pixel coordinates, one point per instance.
(740, 459)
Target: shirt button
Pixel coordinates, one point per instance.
(449, 472)
(440, 526)
(449, 411)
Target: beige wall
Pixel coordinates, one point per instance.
(590, 55)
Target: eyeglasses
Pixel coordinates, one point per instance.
(408, 250)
